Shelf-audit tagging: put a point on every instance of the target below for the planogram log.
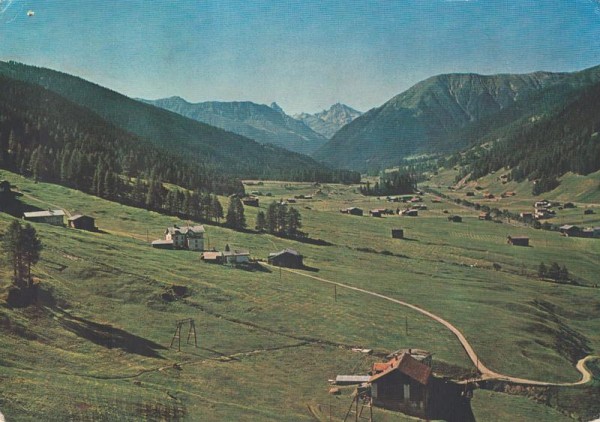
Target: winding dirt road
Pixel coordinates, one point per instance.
(486, 373)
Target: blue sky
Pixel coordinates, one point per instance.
(306, 55)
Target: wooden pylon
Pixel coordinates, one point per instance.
(191, 331)
(364, 400)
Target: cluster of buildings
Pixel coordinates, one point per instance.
(58, 218)
(192, 238)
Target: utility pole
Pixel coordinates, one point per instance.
(406, 325)
(335, 292)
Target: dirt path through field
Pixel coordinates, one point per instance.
(486, 373)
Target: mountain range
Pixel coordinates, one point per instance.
(442, 114)
(262, 123)
(328, 122)
(427, 117)
(190, 141)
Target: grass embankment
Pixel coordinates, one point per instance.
(269, 342)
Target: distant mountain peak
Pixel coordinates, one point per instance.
(329, 121)
(265, 124)
(276, 107)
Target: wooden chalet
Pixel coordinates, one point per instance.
(286, 258)
(54, 217)
(589, 211)
(518, 240)
(377, 212)
(569, 230)
(236, 256)
(212, 257)
(83, 222)
(352, 211)
(591, 232)
(250, 201)
(226, 257)
(398, 233)
(162, 244)
(402, 384)
(485, 216)
(470, 193)
(455, 219)
(410, 212)
(527, 217)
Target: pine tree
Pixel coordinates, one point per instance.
(271, 218)
(235, 218)
(294, 222)
(22, 247)
(261, 221)
(554, 271)
(216, 208)
(542, 270)
(564, 274)
(32, 247)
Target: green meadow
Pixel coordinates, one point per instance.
(97, 346)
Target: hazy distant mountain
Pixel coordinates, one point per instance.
(193, 143)
(264, 124)
(427, 117)
(328, 122)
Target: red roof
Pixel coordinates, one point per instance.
(406, 364)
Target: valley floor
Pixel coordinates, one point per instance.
(96, 348)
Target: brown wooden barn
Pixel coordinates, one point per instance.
(352, 211)
(83, 222)
(250, 201)
(518, 240)
(286, 258)
(402, 384)
(398, 233)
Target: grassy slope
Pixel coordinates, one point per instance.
(284, 323)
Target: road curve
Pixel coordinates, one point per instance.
(486, 373)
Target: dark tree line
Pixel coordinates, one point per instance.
(280, 220)
(394, 183)
(50, 139)
(554, 272)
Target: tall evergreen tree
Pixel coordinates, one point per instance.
(294, 222)
(235, 218)
(22, 247)
(261, 221)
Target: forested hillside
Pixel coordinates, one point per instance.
(51, 139)
(208, 146)
(426, 118)
(561, 141)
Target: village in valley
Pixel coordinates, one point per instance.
(422, 379)
(300, 211)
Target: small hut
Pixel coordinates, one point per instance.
(398, 233)
(286, 258)
(518, 240)
(83, 222)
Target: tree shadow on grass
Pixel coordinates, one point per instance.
(110, 337)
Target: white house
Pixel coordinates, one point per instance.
(190, 237)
